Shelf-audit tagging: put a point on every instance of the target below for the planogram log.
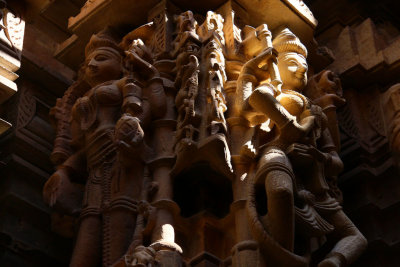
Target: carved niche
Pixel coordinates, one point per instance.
(197, 140)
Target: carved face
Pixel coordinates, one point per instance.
(293, 70)
(102, 65)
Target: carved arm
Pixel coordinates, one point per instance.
(63, 190)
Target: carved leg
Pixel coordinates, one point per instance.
(87, 251)
(279, 187)
(122, 226)
(275, 171)
(350, 245)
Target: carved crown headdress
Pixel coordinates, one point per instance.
(103, 40)
(286, 41)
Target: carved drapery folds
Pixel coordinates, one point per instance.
(198, 140)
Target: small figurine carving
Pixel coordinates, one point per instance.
(200, 101)
(186, 29)
(137, 254)
(325, 90)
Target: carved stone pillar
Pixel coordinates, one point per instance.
(197, 138)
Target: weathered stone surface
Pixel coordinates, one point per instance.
(166, 153)
(205, 154)
(363, 40)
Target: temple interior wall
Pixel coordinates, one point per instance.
(358, 40)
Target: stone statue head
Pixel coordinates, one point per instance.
(103, 60)
(292, 62)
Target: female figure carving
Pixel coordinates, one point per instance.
(291, 199)
(259, 101)
(109, 151)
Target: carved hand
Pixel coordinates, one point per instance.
(305, 154)
(128, 132)
(141, 50)
(138, 58)
(59, 192)
(143, 257)
(293, 131)
(306, 196)
(52, 188)
(257, 66)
